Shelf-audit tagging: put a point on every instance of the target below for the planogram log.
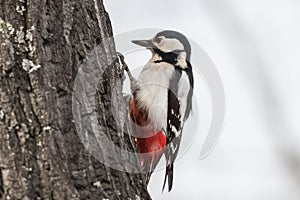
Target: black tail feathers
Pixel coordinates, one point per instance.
(169, 176)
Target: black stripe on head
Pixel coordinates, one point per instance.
(170, 57)
(180, 37)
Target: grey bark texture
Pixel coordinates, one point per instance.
(42, 44)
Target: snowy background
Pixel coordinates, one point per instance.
(255, 46)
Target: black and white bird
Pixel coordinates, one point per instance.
(162, 99)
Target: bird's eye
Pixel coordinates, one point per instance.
(158, 40)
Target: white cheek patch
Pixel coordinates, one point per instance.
(170, 44)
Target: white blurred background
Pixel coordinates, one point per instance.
(255, 46)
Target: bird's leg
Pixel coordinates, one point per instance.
(134, 84)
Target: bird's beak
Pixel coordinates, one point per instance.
(143, 43)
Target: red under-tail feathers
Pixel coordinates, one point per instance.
(151, 144)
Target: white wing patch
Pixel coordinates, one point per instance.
(174, 130)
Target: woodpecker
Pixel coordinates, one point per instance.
(162, 100)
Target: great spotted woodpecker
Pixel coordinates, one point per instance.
(162, 100)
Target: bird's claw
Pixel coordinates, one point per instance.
(122, 62)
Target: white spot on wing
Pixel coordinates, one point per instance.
(175, 131)
(172, 147)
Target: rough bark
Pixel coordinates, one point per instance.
(41, 156)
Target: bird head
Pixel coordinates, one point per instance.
(168, 45)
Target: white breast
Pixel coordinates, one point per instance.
(153, 94)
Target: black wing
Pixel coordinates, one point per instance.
(176, 120)
(173, 127)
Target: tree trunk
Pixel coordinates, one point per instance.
(42, 46)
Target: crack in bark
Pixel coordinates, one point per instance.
(1, 184)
